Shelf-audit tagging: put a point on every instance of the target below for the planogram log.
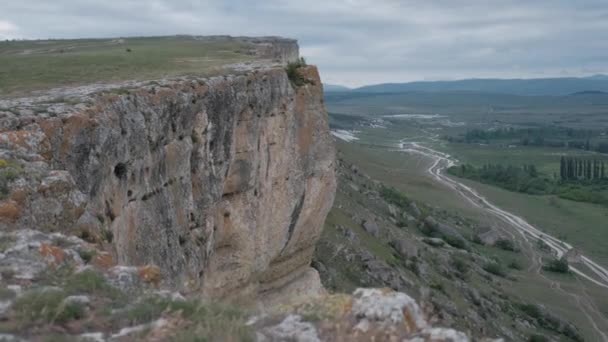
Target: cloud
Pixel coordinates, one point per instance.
(358, 41)
(8, 30)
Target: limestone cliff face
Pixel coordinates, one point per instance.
(223, 183)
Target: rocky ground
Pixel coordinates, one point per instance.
(377, 237)
(62, 288)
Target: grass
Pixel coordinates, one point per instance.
(549, 322)
(580, 224)
(6, 242)
(37, 65)
(38, 305)
(45, 308)
(6, 294)
(9, 172)
(210, 321)
(91, 282)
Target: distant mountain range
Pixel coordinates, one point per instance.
(328, 88)
(596, 84)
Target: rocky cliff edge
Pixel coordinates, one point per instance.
(222, 183)
(118, 202)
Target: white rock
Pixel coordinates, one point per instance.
(444, 335)
(388, 308)
(77, 300)
(292, 328)
(92, 337)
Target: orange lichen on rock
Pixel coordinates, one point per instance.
(103, 260)
(150, 274)
(53, 254)
(9, 211)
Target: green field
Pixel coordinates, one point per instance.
(37, 65)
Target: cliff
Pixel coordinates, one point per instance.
(222, 182)
(127, 209)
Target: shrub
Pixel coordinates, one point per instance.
(531, 310)
(514, 264)
(108, 235)
(293, 72)
(394, 196)
(455, 241)
(505, 244)
(461, 266)
(557, 265)
(402, 224)
(542, 245)
(538, 338)
(495, 268)
(69, 312)
(438, 286)
(413, 266)
(86, 255)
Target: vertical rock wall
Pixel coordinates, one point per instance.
(223, 183)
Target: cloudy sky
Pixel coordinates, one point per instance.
(357, 42)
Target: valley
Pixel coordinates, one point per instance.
(410, 152)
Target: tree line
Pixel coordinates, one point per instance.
(546, 136)
(525, 178)
(572, 168)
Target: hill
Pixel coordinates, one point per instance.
(328, 88)
(540, 86)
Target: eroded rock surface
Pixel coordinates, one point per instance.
(223, 183)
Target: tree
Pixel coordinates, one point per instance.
(532, 171)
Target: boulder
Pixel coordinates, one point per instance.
(393, 210)
(435, 242)
(292, 328)
(448, 233)
(405, 248)
(415, 210)
(371, 228)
